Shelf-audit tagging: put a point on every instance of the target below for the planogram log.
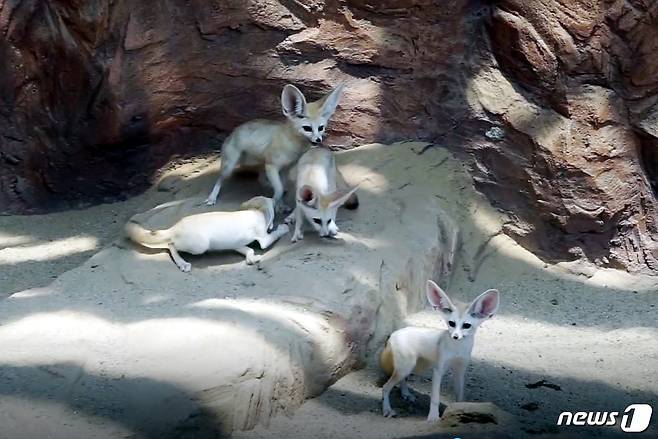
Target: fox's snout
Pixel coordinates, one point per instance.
(316, 141)
(457, 334)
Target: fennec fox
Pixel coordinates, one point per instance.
(320, 191)
(197, 234)
(417, 349)
(276, 145)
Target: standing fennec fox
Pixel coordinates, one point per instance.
(320, 191)
(417, 349)
(276, 145)
(197, 234)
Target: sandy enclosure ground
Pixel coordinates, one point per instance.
(595, 341)
(591, 333)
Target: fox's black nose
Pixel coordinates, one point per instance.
(318, 140)
(455, 336)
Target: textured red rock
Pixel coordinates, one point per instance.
(95, 96)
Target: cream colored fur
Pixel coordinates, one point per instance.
(320, 191)
(272, 145)
(197, 234)
(413, 350)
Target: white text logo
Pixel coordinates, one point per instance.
(636, 418)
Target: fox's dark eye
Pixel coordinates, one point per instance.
(317, 221)
(307, 128)
(329, 222)
(321, 128)
(451, 324)
(466, 325)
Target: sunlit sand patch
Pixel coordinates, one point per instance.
(7, 240)
(33, 293)
(49, 250)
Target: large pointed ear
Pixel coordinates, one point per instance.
(306, 195)
(485, 305)
(293, 101)
(340, 198)
(330, 102)
(438, 298)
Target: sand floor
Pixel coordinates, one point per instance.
(593, 333)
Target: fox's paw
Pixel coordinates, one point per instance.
(282, 229)
(251, 260)
(210, 201)
(433, 417)
(297, 237)
(185, 267)
(409, 397)
(389, 413)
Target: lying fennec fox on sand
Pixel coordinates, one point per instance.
(320, 191)
(197, 234)
(276, 145)
(416, 349)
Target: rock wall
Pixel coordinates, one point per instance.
(108, 91)
(574, 84)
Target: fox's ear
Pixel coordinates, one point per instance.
(330, 102)
(485, 305)
(293, 101)
(306, 195)
(340, 198)
(438, 298)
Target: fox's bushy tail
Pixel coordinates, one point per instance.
(386, 360)
(265, 205)
(146, 237)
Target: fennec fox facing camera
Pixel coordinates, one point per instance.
(197, 234)
(417, 349)
(276, 145)
(320, 191)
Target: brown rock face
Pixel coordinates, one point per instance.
(577, 89)
(95, 96)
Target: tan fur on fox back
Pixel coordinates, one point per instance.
(264, 205)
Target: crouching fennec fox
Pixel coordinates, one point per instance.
(417, 349)
(276, 145)
(197, 234)
(320, 191)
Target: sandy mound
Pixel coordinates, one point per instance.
(241, 343)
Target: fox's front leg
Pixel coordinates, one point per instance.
(459, 373)
(299, 219)
(273, 236)
(290, 218)
(437, 375)
(250, 256)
